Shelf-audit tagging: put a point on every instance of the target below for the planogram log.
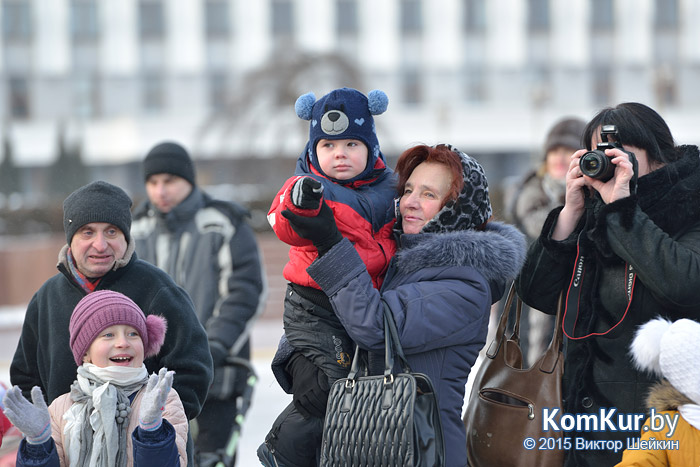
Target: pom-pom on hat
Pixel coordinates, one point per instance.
(99, 310)
(670, 350)
(343, 113)
(97, 202)
(169, 158)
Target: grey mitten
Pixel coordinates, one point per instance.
(307, 193)
(153, 402)
(31, 418)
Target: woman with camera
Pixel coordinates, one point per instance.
(623, 250)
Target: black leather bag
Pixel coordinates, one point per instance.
(385, 420)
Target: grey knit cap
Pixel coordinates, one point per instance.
(97, 202)
(567, 132)
(169, 158)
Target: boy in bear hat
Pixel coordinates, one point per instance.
(341, 173)
(671, 351)
(207, 246)
(115, 414)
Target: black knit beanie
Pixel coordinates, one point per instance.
(169, 158)
(97, 202)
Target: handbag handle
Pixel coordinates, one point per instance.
(392, 348)
(552, 351)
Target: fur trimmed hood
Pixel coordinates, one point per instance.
(498, 252)
(663, 396)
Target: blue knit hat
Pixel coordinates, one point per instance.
(344, 113)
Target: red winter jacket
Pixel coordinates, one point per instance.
(364, 213)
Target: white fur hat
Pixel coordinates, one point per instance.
(671, 350)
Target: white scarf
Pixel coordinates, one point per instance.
(96, 394)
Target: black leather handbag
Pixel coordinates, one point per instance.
(386, 420)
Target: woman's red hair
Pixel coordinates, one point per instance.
(440, 154)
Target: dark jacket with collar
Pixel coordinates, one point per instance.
(657, 231)
(43, 357)
(207, 247)
(439, 289)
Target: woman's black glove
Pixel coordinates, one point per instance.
(309, 386)
(321, 229)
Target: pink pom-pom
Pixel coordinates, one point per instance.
(156, 326)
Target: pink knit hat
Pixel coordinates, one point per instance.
(99, 310)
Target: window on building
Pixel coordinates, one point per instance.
(16, 20)
(602, 15)
(665, 86)
(474, 16)
(666, 14)
(217, 21)
(218, 91)
(411, 22)
(475, 85)
(412, 92)
(18, 89)
(86, 96)
(151, 19)
(83, 20)
(538, 15)
(282, 18)
(346, 16)
(602, 85)
(153, 99)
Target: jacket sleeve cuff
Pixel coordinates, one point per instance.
(563, 248)
(623, 210)
(337, 267)
(279, 362)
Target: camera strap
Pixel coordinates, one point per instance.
(573, 295)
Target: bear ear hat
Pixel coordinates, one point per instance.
(304, 105)
(377, 102)
(646, 345)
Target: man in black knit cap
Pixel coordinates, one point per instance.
(99, 255)
(208, 248)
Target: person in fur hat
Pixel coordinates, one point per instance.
(343, 169)
(115, 414)
(623, 250)
(669, 350)
(452, 263)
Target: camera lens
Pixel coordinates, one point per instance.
(596, 164)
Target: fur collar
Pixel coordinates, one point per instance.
(663, 396)
(498, 252)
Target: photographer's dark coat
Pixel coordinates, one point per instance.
(657, 231)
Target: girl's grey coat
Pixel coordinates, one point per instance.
(440, 288)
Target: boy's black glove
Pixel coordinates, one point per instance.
(309, 386)
(321, 229)
(307, 193)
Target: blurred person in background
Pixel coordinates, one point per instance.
(208, 248)
(623, 250)
(528, 202)
(99, 255)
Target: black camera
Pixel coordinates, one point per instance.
(595, 163)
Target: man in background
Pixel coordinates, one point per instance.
(208, 248)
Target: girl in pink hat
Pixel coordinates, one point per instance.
(115, 414)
